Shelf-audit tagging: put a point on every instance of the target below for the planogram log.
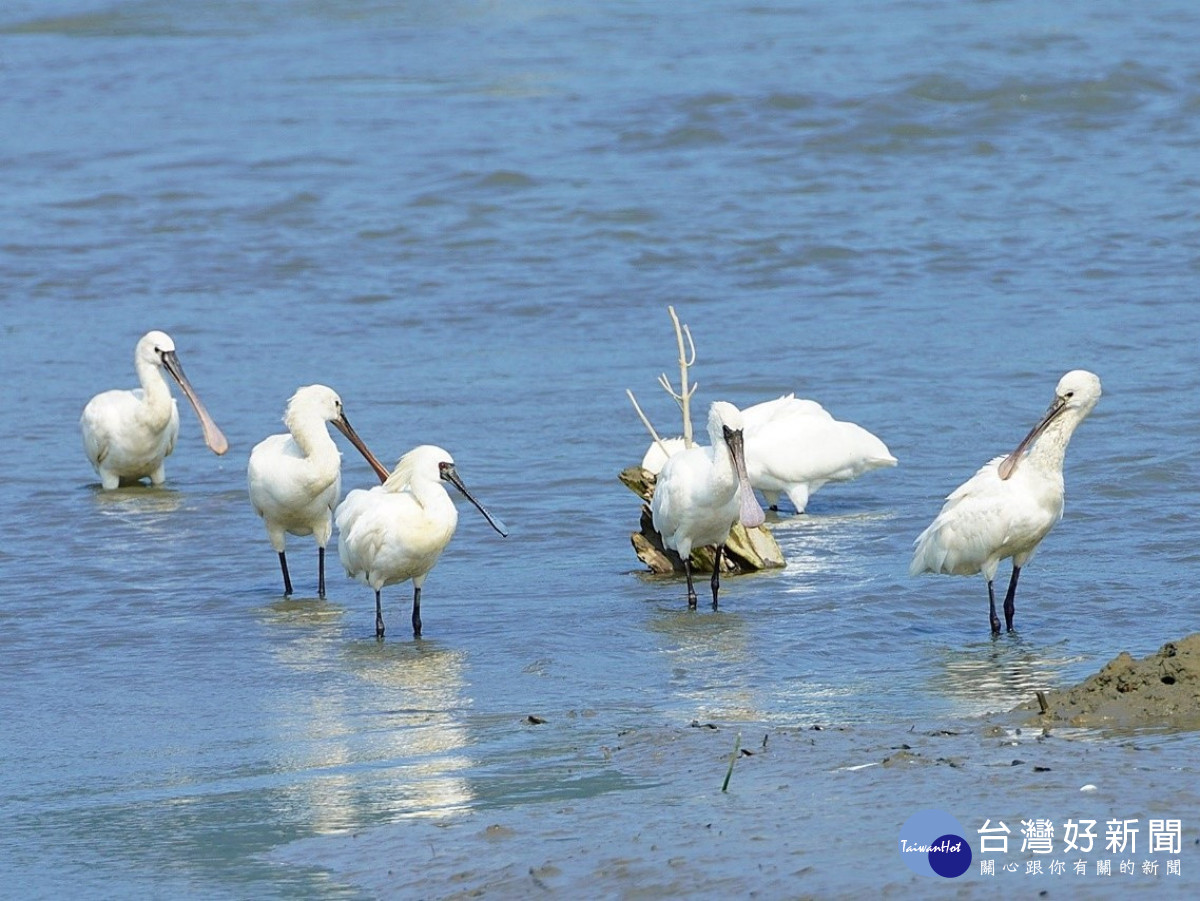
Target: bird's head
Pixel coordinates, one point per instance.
(155, 348)
(1077, 390)
(1075, 396)
(725, 425)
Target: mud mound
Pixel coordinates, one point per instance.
(1160, 690)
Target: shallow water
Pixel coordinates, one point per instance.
(469, 219)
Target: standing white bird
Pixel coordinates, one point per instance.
(1009, 505)
(295, 480)
(702, 491)
(794, 446)
(128, 435)
(398, 530)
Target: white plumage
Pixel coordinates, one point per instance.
(659, 452)
(1012, 503)
(295, 479)
(127, 435)
(398, 530)
(702, 491)
(794, 446)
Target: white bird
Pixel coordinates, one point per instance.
(1012, 503)
(794, 446)
(295, 480)
(659, 451)
(128, 435)
(397, 530)
(702, 491)
(752, 417)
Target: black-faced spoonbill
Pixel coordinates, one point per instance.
(702, 491)
(794, 446)
(397, 530)
(128, 435)
(1010, 505)
(295, 480)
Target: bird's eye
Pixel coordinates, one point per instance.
(1069, 395)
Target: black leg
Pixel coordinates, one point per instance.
(321, 573)
(1010, 606)
(687, 571)
(378, 616)
(715, 582)
(992, 609)
(287, 581)
(416, 613)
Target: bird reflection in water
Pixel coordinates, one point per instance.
(384, 738)
(989, 676)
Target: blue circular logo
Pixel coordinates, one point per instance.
(932, 844)
(950, 856)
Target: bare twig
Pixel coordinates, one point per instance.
(646, 422)
(686, 359)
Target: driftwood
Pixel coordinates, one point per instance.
(746, 551)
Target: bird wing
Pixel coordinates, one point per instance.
(655, 456)
(758, 415)
(687, 509)
(172, 431)
(95, 436)
(104, 417)
(811, 450)
(349, 510)
(386, 536)
(661, 512)
(983, 521)
(337, 491)
(271, 473)
(354, 551)
(681, 482)
(984, 478)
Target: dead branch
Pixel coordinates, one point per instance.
(646, 422)
(686, 359)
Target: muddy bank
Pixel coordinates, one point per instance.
(1161, 690)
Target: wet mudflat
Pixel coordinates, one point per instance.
(469, 220)
(808, 813)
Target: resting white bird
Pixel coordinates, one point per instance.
(127, 435)
(794, 446)
(702, 491)
(1009, 505)
(659, 452)
(398, 530)
(295, 480)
